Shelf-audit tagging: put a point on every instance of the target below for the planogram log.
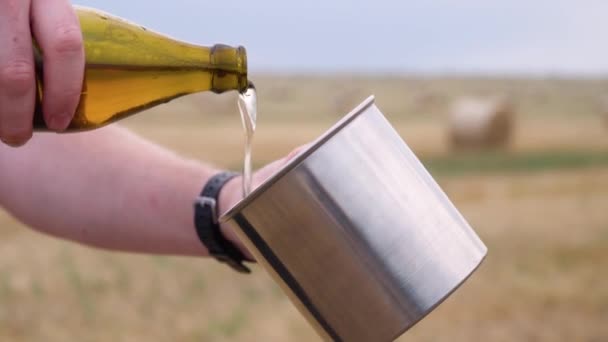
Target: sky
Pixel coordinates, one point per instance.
(540, 37)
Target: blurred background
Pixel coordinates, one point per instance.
(505, 103)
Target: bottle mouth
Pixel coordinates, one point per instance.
(229, 68)
(242, 57)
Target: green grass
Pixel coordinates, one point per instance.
(524, 162)
(501, 162)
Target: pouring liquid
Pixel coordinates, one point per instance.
(248, 107)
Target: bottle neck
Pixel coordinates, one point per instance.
(229, 65)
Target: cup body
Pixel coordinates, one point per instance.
(357, 232)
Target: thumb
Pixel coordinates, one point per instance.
(269, 170)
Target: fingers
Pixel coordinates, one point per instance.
(296, 151)
(261, 175)
(231, 193)
(17, 74)
(57, 31)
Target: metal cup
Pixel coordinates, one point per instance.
(357, 233)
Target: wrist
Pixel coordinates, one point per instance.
(231, 194)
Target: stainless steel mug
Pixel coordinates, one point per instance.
(357, 233)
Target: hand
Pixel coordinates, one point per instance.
(232, 193)
(55, 26)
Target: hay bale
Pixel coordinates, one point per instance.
(481, 123)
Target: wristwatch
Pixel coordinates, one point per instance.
(208, 228)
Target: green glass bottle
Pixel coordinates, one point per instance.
(129, 69)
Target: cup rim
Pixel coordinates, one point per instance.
(298, 159)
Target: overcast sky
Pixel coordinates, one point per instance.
(508, 36)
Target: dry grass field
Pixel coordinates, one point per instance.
(540, 205)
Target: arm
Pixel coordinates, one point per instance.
(110, 189)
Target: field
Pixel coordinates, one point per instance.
(540, 205)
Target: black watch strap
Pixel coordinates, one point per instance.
(208, 228)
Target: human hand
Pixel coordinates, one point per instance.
(232, 193)
(55, 27)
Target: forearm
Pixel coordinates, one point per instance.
(107, 188)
